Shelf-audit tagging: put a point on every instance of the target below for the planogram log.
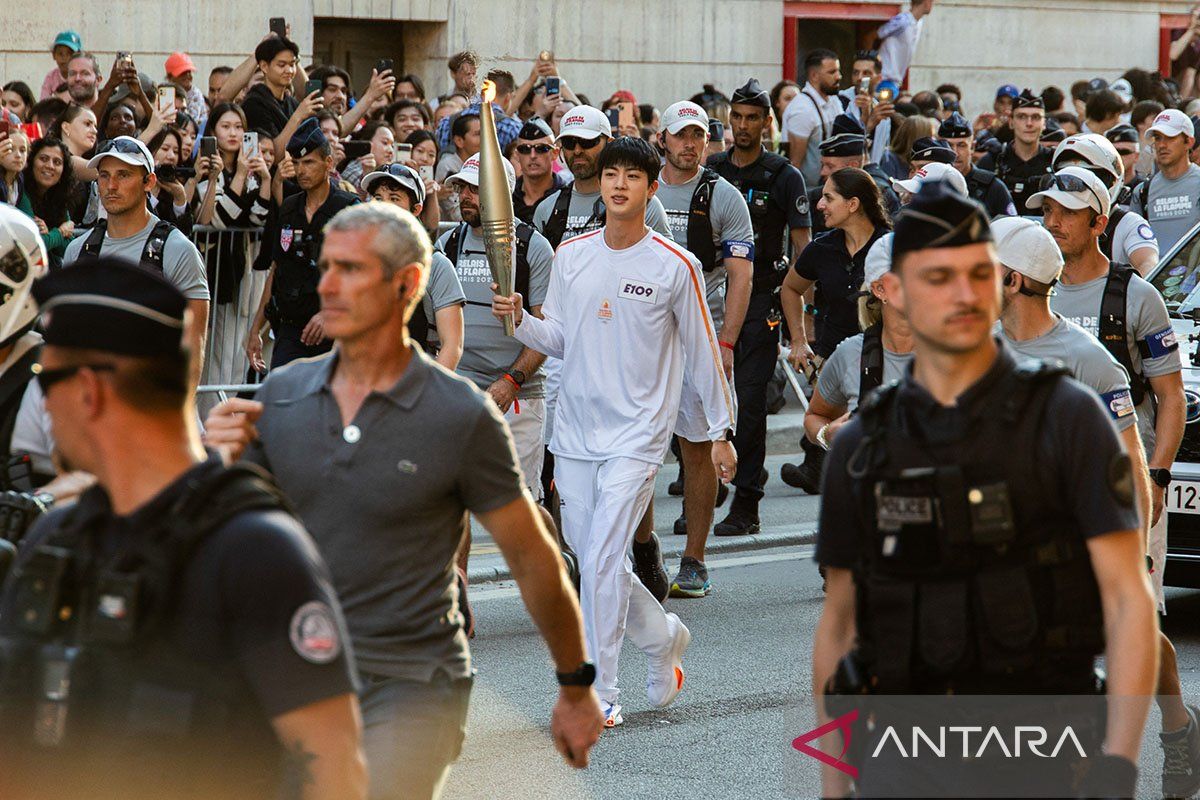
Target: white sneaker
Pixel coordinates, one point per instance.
(612, 714)
(665, 679)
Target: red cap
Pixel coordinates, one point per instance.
(623, 95)
(179, 63)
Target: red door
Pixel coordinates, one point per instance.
(842, 27)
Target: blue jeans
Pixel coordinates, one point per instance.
(412, 732)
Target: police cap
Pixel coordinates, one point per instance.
(955, 126)
(847, 137)
(1028, 99)
(307, 138)
(1054, 133)
(751, 95)
(927, 148)
(938, 216)
(112, 305)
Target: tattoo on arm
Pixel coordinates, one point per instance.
(297, 769)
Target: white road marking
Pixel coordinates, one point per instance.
(506, 589)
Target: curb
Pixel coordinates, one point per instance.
(716, 545)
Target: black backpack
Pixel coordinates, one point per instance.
(700, 230)
(870, 371)
(152, 253)
(556, 226)
(1106, 238)
(1112, 330)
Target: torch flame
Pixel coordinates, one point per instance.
(489, 91)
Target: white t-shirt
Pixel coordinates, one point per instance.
(810, 116)
(900, 35)
(627, 324)
(1133, 233)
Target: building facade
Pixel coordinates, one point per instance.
(662, 51)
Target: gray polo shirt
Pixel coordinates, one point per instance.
(182, 264)
(386, 500)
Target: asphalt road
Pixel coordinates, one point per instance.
(729, 733)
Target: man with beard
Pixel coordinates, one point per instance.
(809, 117)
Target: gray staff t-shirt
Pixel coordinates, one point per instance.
(1088, 361)
(182, 264)
(584, 214)
(1147, 323)
(733, 233)
(1173, 206)
(840, 373)
(443, 287)
(487, 352)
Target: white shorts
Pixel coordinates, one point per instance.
(690, 423)
(527, 432)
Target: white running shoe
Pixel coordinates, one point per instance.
(665, 679)
(612, 714)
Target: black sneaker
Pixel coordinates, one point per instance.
(649, 567)
(675, 487)
(1181, 758)
(722, 494)
(741, 521)
(681, 525)
(807, 474)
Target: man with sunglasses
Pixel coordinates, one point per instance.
(125, 176)
(223, 677)
(1076, 213)
(535, 154)
(1170, 198)
(1023, 163)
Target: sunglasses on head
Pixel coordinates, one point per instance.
(120, 146)
(571, 143)
(1071, 183)
(540, 149)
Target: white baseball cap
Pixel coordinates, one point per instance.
(1173, 122)
(931, 172)
(1026, 247)
(879, 259)
(1075, 188)
(470, 172)
(584, 122)
(124, 148)
(684, 113)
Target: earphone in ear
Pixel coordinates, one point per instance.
(1009, 279)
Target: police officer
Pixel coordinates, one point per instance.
(290, 303)
(143, 641)
(774, 192)
(1023, 163)
(974, 485)
(847, 146)
(983, 186)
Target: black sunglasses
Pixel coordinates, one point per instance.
(571, 143)
(48, 377)
(120, 146)
(540, 149)
(1071, 183)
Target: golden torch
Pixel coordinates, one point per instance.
(495, 202)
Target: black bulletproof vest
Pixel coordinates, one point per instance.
(1113, 330)
(974, 577)
(91, 681)
(152, 253)
(767, 214)
(870, 368)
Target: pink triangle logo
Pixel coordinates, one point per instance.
(843, 723)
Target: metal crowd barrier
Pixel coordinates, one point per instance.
(235, 289)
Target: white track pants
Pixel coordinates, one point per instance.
(602, 502)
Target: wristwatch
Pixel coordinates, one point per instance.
(584, 676)
(1161, 477)
(727, 436)
(518, 376)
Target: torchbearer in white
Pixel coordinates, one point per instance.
(626, 313)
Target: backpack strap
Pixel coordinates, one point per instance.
(156, 243)
(820, 116)
(1143, 191)
(1113, 328)
(453, 243)
(556, 225)
(700, 229)
(1110, 231)
(870, 371)
(95, 240)
(521, 276)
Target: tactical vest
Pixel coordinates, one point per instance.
(556, 226)
(152, 253)
(974, 577)
(1113, 330)
(90, 672)
(870, 367)
(1110, 231)
(700, 230)
(766, 213)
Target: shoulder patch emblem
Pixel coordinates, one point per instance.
(314, 633)
(1146, 232)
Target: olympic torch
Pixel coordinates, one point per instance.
(495, 203)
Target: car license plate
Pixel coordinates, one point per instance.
(1183, 497)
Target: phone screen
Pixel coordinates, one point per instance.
(279, 26)
(614, 117)
(553, 84)
(716, 130)
(356, 149)
(208, 146)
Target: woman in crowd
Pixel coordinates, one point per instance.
(76, 128)
(876, 356)
(409, 87)
(382, 152)
(118, 120)
(49, 184)
(171, 196)
(781, 94)
(424, 154)
(18, 98)
(14, 153)
(834, 262)
(189, 131)
(895, 160)
(235, 185)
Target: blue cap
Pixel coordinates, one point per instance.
(1008, 90)
(69, 39)
(307, 138)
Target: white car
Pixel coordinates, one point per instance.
(1177, 278)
